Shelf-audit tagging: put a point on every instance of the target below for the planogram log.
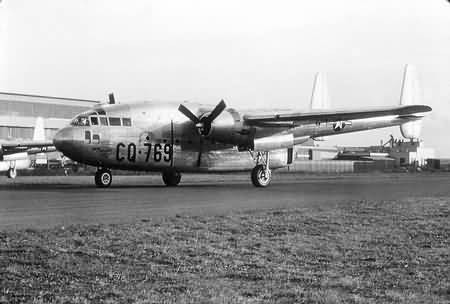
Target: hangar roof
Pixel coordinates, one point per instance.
(47, 99)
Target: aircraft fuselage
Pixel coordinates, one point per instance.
(157, 137)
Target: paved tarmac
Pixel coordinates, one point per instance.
(44, 202)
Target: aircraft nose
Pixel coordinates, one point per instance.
(63, 140)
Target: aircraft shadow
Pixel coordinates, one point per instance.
(68, 186)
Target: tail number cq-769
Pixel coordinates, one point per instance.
(161, 152)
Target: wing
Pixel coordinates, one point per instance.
(31, 147)
(297, 118)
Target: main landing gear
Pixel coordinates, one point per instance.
(103, 178)
(171, 178)
(261, 174)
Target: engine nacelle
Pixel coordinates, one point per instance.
(273, 142)
(411, 130)
(228, 129)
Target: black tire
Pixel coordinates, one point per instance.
(171, 178)
(261, 177)
(103, 178)
(12, 173)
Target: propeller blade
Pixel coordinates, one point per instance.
(199, 159)
(216, 112)
(192, 117)
(112, 100)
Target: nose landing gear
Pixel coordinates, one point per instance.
(103, 178)
(261, 174)
(12, 173)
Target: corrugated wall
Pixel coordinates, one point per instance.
(339, 166)
(321, 166)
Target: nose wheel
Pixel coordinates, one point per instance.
(103, 178)
(12, 173)
(171, 178)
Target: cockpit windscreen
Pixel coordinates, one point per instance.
(80, 121)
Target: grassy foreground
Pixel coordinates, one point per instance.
(358, 252)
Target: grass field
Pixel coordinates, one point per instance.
(360, 252)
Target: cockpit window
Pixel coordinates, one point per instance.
(94, 120)
(101, 112)
(80, 121)
(114, 121)
(126, 122)
(103, 121)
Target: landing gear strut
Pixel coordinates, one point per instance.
(103, 178)
(261, 174)
(171, 178)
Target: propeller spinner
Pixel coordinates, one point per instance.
(204, 122)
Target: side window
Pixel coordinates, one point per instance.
(94, 120)
(103, 121)
(126, 122)
(95, 139)
(87, 137)
(114, 121)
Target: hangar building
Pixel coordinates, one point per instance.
(18, 114)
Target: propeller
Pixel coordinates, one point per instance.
(204, 122)
(112, 100)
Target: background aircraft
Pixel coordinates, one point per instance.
(14, 155)
(172, 138)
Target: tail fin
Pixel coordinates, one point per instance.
(410, 95)
(320, 98)
(39, 131)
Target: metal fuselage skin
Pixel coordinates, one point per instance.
(150, 136)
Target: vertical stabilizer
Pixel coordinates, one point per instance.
(39, 131)
(320, 99)
(410, 95)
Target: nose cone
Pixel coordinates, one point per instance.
(63, 140)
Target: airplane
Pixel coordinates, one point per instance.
(15, 154)
(173, 138)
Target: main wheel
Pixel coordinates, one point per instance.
(103, 178)
(12, 173)
(261, 177)
(171, 178)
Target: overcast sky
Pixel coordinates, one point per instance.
(250, 53)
